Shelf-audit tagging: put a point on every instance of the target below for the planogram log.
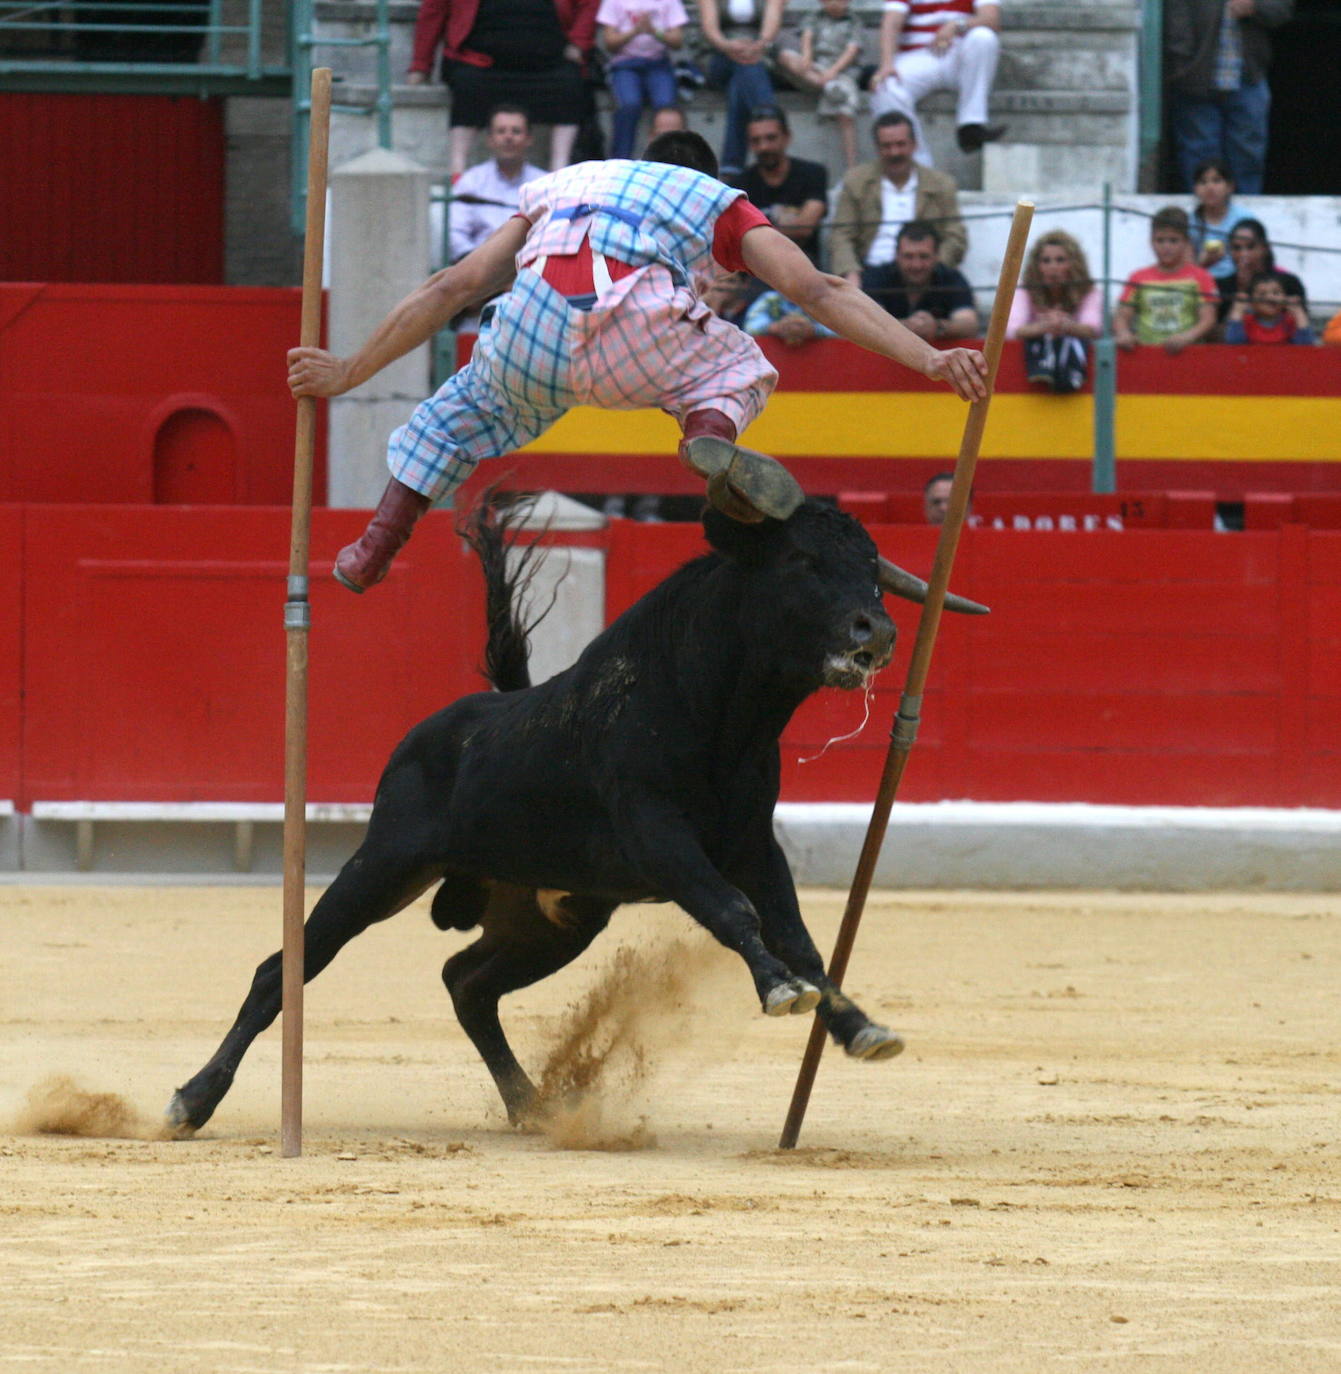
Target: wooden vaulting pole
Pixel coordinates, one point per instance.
(297, 620)
(904, 731)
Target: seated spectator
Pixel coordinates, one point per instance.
(1332, 334)
(936, 497)
(939, 45)
(774, 315)
(1172, 302)
(667, 119)
(740, 32)
(1250, 252)
(486, 194)
(1057, 310)
(830, 46)
(920, 291)
(791, 191)
(1267, 317)
(638, 36)
(1214, 218)
(515, 52)
(728, 295)
(878, 198)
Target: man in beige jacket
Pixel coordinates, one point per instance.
(879, 197)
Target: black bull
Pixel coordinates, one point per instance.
(648, 771)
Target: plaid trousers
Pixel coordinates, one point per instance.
(646, 344)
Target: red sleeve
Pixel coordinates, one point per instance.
(729, 232)
(578, 20)
(428, 27)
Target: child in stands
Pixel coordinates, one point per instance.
(1268, 317)
(1172, 302)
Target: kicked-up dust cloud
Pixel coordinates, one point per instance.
(649, 1002)
(59, 1106)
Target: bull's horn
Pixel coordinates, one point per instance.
(901, 583)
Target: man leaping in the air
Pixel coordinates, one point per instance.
(603, 260)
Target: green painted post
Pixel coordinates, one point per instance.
(1104, 475)
(1151, 93)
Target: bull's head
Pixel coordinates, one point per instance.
(816, 581)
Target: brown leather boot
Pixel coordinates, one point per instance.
(365, 562)
(741, 483)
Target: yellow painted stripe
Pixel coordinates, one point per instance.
(865, 424)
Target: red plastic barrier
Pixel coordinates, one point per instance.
(1268, 510)
(1068, 512)
(155, 653)
(1150, 666)
(11, 661)
(133, 394)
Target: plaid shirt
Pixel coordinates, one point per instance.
(1229, 54)
(636, 212)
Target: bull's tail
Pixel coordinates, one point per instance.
(509, 567)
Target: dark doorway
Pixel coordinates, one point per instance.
(1304, 157)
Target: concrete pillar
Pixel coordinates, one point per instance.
(379, 252)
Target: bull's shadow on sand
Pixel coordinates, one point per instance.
(648, 771)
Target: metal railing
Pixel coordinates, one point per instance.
(115, 38)
(305, 41)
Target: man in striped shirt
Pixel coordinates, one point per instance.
(933, 45)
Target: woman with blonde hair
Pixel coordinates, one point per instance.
(1057, 310)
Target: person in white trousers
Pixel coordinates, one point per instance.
(932, 45)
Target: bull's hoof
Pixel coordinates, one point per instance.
(875, 1042)
(177, 1119)
(794, 997)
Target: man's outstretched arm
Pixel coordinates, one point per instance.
(848, 311)
(479, 275)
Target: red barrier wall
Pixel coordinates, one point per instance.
(154, 653)
(132, 394)
(1146, 667)
(1149, 666)
(11, 660)
(111, 188)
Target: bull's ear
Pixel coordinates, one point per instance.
(744, 542)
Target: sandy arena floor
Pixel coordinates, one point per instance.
(1111, 1145)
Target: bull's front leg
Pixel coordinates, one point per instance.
(767, 878)
(662, 847)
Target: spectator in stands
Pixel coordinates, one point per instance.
(879, 197)
(638, 36)
(741, 34)
(936, 497)
(791, 191)
(772, 314)
(1172, 302)
(1216, 54)
(486, 194)
(1332, 334)
(936, 45)
(1250, 252)
(1214, 217)
(830, 47)
(919, 290)
(517, 52)
(668, 119)
(1267, 317)
(1057, 310)
(728, 295)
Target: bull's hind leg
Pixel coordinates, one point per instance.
(521, 944)
(365, 892)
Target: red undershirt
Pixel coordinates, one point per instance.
(570, 274)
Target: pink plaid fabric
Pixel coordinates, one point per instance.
(647, 344)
